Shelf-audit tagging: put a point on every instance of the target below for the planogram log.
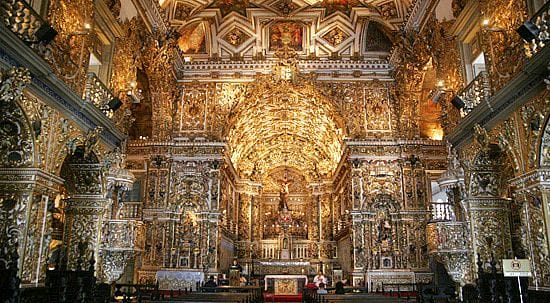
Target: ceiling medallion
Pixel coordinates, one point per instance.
(285, 7)
(236, 37)
(335, 36)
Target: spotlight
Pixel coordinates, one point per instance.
(528, 31)
(45, 33)
(458, 102)
(114, 104)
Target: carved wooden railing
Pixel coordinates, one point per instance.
(479, 90)
(98, 94)
(442, 211)
(542, 21)
(131, 210)
(27, 24)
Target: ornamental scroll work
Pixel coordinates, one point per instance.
(16, 139)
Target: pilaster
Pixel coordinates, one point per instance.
(533, 189)
(85, 212)
(27, 195)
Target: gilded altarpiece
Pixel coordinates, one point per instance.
(181, 210)
(389, 200)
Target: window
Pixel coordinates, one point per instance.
(94, 64)
(100, 56)
(473, 58)
(467, 29)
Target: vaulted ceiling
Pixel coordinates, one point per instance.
(285, 126)
(246, 28)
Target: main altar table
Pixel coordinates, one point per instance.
(284, 288)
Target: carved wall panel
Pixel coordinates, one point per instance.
(490, 227)
(193, 109)
(377, 110)
(17, 148)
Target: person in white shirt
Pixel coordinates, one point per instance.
(320, 278)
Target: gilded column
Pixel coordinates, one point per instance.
(488, 213)
(120, 232)
(85, 210)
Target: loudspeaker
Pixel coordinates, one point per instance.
(528, 31)
(114, 104)
(458, 102)
(45, 33)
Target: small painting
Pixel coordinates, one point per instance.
(286, 33)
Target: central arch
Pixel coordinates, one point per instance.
(282, 124)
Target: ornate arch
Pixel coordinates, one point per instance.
(280, 123)
(16, 132)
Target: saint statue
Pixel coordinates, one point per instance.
(283, 195)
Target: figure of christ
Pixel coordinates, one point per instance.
(283, 195)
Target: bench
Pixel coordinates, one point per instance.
(360, 298)
(206, 297)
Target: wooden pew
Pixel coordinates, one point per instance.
(205, 297)
(360, 298)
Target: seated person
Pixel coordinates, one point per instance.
(340, 287)
(322, 290)
(320, 278)
(210, 282)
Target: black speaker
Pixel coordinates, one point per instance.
(458, 102)
(528, 31)
(114, 104)
(45, 33)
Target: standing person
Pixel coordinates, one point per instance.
(320, 278)
(236, 266)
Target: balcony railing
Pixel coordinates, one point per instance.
(541, 20)
(98, 94)
(131, 210)
(21, 19)
(442, 211)
(479, 90)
